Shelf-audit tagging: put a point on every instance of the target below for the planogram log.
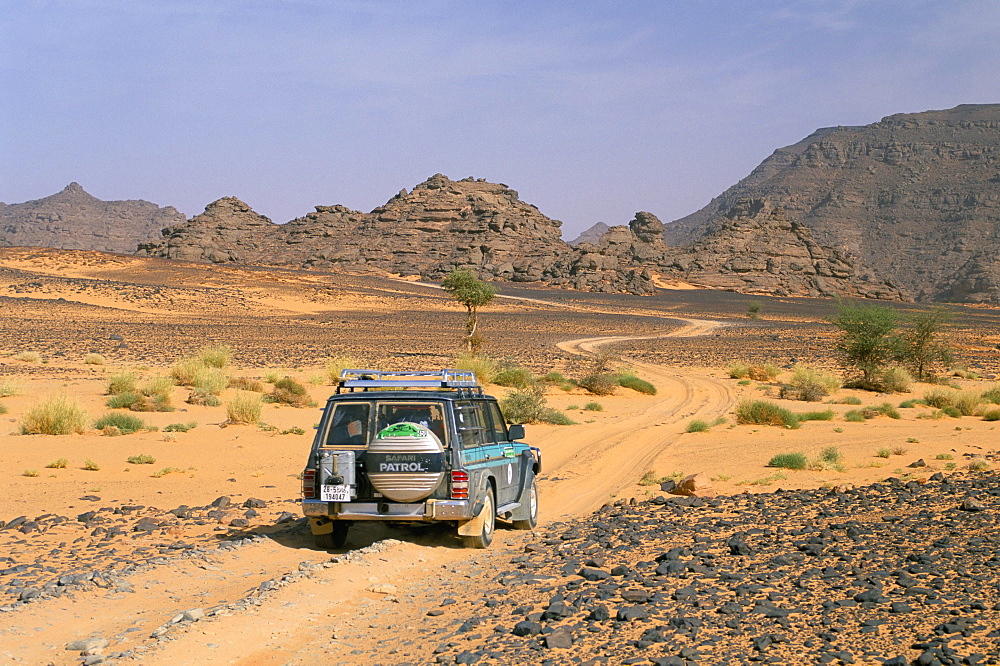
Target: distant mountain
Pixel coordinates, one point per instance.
(73, 219)
(591, 235)
(914, 198)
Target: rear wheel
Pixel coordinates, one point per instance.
(485, 537)
(532, 519)
(335, 539)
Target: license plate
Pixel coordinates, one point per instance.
(340, 493)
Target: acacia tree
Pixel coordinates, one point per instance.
(868, 339)
(473, 293)
(923, 344)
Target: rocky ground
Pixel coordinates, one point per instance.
(892, 573)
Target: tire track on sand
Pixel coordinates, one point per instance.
(582, 472)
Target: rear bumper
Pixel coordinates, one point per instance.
(432, 509)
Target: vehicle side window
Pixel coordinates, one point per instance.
(349, 425)
(471, 423)
(499, 427)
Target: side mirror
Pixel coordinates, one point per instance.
(515, 432)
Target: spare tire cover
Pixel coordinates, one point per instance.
(405, 462)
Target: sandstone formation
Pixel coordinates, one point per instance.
(228, 231)
(73, 219)
(914, 197)
(440, 225)
(755, 248)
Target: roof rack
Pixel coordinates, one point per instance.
(383, 379)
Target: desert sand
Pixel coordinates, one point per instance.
(142, 315)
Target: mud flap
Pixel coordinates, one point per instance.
(473, 527)
(523, 512)
(320, 526)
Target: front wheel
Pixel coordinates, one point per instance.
(485, 536)
(532, 519)
(334, 539)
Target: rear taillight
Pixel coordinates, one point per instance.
(309, 484)
(459, 485)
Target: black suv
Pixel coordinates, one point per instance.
(417, 446)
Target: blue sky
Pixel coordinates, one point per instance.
(591, 110)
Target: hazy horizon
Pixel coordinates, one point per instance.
(591, 111)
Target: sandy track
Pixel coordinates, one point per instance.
(582, 472)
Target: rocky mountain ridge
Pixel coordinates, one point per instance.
(914, 197)
(484, 227)
(72, 219)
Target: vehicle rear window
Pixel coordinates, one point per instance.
(350, 425)
(430, 415)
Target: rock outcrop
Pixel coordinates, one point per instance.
(74, 220)
(440, 225)
(914, 197)
(755, 248)
(229, 231)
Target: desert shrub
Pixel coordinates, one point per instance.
(825, 415)
(883, 452)
(630, 381)
(849, 400)
(27, 357)
(886, 409)
(698, 425)
(557, 379)
(789, 461)
(810, 384)
(599, 383)
(58, 463)
(831, 455)
(180, 427)
(910, 404)
(90, 465)
(939, 399)
(483, 366)
(739, 370)
(527, 405)
(124, 400)
(287, 391)
(854, 416)
(294, 430)
(244, 408)
(184, 371)
(9, 388)
(764, 373)
(513, 376)
(125, 423)
(593, 407)
(762, 412)
(744, 382)
(246, 384)
(216, 356)
(336, 365)
(55, 416)
(991, 395)
(968, 402)
(93, 359)
(3, 408)
(166, 470)
(895, 380)
(978, 465)
(141, 459)
(953, 412)
(991, 415)
(30, 472)
(203, 399)
(122, 382)
(555, 417)
(944, 456)
(209, 379)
